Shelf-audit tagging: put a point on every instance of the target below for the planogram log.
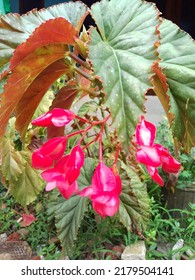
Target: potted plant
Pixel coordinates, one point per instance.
(92, 154)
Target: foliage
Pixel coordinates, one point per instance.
(163, 229)
(50, 252)
(99, 235)
(39, 232)
(187, 175)
(23, 181)
(50, 62)
(8, 222)
(134, 208)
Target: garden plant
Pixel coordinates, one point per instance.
(72, 108)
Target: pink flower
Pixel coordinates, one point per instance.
(58, 117)
(151, 154)
(65, 173)
(105, 190)
(50, 151)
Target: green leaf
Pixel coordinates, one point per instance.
(29, 184)
(13, 163)
(15, 29)
(177, 51)
(122, 53)
(69, 213)
(24, 182)
(87, 107)
(44, 105)
(134, 206)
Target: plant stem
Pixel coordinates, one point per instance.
(84, 74)
(86, 146)
(90, 91)
(91, 142)
(79, 61)
(75, 133)
(83, 120)
(106, 128)
(100, 139)
(100, 146)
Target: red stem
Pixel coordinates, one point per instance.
(100, 143)
(83, 120)
(94, 140)
(75, 133)
(102, 121)
(84, 131)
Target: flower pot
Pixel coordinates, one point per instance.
(181, 198)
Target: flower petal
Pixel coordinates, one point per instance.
(72, 174)
(148, 156)
(54, 148)
(108, 209)
(40, 161)
(50, 186)
(77, 157)
(155, 175)
(118, 188)
(71, 164)
(43, 120)
(58, 117)
(61, 165)
(103, 179)
(86, 192)
(170, 165)
(61, 117)
(145, 133)
(51, 174)
(67, 190)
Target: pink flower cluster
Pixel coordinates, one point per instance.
(151, 154)
(62, 171)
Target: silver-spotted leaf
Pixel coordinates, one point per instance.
(122, 52)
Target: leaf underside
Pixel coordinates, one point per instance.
(69, 213)
(134, 206)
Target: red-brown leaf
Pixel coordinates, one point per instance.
(53, 31)
(27, 220)
(28, 104)
(23, 75)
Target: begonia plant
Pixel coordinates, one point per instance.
(72, 108)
